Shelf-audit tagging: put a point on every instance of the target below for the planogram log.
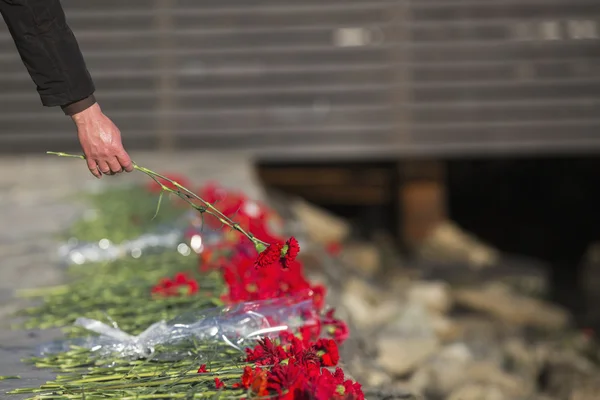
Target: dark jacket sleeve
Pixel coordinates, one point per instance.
(50, 53)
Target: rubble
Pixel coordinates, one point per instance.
(478, 391)
(512, 308)
(454, 330)
(320, 226)
(448, 242)
(435, 296)
(399, 356)
(364, 256)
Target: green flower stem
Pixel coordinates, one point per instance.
(186, 195)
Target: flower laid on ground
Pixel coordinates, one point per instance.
(219, 384)
(269, 275)
(298, 364)
(293, 369)
(292, 382)
(181, 284)
(335, 328)
(290, 348)
(254, 379)
(276, 273)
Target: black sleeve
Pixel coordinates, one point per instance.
(50, 53)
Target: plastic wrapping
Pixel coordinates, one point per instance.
(237, 325)
(185, 236)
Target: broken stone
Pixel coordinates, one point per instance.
(399, 356)
(449, 242)
(364, 257)
(512, 308)
(522, 275)
(319, 225)
(370, 375)
(569, 375)
(378, 378)
(407, 342)
(435, 296)
(357, 308)
(589, 392)
(389, 394)
(456, 366)
(442, 373)
(445, 329)
(490, 374)
(478, 391)
(522, 359)
(364, 304)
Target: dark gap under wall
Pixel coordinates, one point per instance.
(546, 208)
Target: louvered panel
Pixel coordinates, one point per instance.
(505, 75)
(431, 76)
(237, 69)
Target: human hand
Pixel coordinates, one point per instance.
(100, 140)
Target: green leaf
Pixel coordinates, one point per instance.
(4, 378)
(162, 192)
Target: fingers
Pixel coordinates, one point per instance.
(110, 166)
(93, 167)
(103, 167)
(115, 166)
(125, 161)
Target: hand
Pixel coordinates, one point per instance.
(101, 143)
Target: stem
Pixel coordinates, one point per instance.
(186, 195)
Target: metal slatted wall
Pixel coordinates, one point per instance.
(505, 75)
(310, 78)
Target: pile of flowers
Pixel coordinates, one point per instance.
(250, 262)
(297, 364)
(294, 368)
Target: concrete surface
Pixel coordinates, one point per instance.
(36, 194)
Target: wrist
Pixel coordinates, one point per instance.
(79, 106)
(86, 115)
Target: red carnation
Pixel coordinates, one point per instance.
(172, 287)
(254, 379)
(269, 256)
(292, 252)
(319, 292)
(335, 327)
(329, 348)
(352, 390)
(266, 353)
(193, 286)
(303, 355)
(323, 386)
(219, 384)
(287, 377)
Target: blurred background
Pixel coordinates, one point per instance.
(454, 139)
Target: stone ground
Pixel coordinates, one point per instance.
(36, 202)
